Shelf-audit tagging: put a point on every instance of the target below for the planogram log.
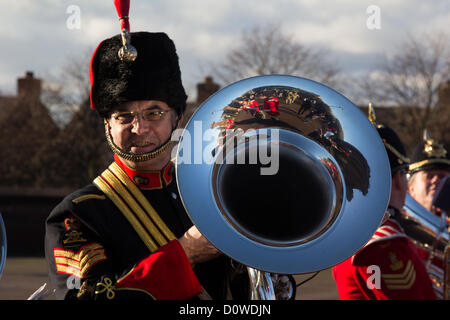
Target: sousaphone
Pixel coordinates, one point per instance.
(283, 174)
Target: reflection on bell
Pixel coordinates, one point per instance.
(249, 203)
(328, 186)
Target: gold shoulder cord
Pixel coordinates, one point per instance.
(118, 187)
(145, 204)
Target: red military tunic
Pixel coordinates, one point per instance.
(388, 267)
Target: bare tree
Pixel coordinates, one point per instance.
(79, 152)
(76, 155)
(440, 118)
(39, 153)
(412, 77)
(267, 50)
(67, 89)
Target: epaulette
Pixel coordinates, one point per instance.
(89, 192)
(389, 230)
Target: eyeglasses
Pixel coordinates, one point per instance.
(148, 115)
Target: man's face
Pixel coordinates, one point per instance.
(140, 127)
(423, 184)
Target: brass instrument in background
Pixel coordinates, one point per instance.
(3, 245)
(314, 204)
(430, 234)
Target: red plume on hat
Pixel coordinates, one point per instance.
(119, 75)
(127, 52)
(123, 8)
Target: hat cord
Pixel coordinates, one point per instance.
(135, 157)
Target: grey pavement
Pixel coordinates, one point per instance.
(23, 275)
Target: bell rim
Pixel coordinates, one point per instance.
(330, 248)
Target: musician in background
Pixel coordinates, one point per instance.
(430, 165)
(388, 267)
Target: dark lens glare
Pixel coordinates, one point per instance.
(125, 117)
(148, 115)
(152, 115)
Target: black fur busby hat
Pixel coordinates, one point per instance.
(429, 154)
(153, 75)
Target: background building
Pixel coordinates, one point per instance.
(41, 162)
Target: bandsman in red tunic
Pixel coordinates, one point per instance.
(271, 106)
(388, 267)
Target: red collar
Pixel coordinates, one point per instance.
(148, 180)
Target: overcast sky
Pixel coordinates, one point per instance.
(35, 34)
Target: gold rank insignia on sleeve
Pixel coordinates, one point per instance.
(401, 281)
(396, 264)
(73, 237)
(78, 263)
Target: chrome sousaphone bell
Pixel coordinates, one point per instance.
(285, 175)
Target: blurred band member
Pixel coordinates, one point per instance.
(430, 165)
(389, 266)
